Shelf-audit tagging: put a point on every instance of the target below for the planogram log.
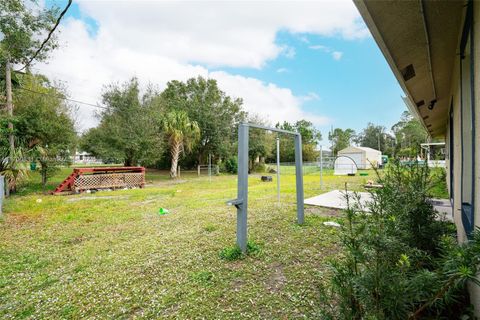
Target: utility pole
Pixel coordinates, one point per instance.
(8, 80)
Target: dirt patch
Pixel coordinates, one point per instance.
(277, 280)
(22, 219)
(96, 198)
(77, 240)
(324, 212)
(237, 284)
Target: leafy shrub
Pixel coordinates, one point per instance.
(231, 165)
(399, 262)
(14, 168)
(259, 167)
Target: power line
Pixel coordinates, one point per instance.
(63, 98)
(48, 36)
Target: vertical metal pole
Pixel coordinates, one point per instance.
(278, 170)
(209, 167)
(242, 187)
(299, 177)
(2, 194)
(321, 167)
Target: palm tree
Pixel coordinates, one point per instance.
(182, 135)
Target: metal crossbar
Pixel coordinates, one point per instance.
(241, 203)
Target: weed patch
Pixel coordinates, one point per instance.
(235, 253)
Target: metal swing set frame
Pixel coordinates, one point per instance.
(241, 202)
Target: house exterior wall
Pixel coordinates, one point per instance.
(456, 126)
(455, 188)
(475, 290)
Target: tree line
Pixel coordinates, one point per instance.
(185, 123)
(403, 140)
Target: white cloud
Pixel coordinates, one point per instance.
(282, 70)
(304, 39)
(337, 55)
(320, 47)
(161, 41)
(311, 96)
(273, 103)
(221, 33)
(289, 52)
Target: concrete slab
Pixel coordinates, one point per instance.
(444, 208)
(335, 199)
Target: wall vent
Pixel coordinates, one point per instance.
(408, 72)
(420, 103)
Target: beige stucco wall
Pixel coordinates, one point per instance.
(457, 151)
(475, 290)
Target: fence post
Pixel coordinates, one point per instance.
(299, 177)
(2, 194)
(178, 171)
(278, 170)
(198, 169)
(209, 167)
(321, 167)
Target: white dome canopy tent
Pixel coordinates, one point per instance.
(344, 165)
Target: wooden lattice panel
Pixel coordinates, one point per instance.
(109, 181)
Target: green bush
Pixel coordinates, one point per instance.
(399, 262)
(231, 165)
(259, 167)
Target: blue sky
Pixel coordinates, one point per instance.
(331, 72)
(354, 90)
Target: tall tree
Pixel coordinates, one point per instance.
(340, 139)
(216, 114)
(128, 128)
(22, 24)
(182, 134)
(375, 137)
(409, 134)
(259, 141)
(310, 138)
(44, 125)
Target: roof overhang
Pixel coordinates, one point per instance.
(420, 41)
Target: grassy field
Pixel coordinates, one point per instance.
(111, 255)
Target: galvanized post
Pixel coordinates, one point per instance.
(321, 167)
(209, 167)
(299, 178)
(2, 194)
(278, 170)
(242, 187)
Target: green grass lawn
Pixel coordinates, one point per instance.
(111, 255)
